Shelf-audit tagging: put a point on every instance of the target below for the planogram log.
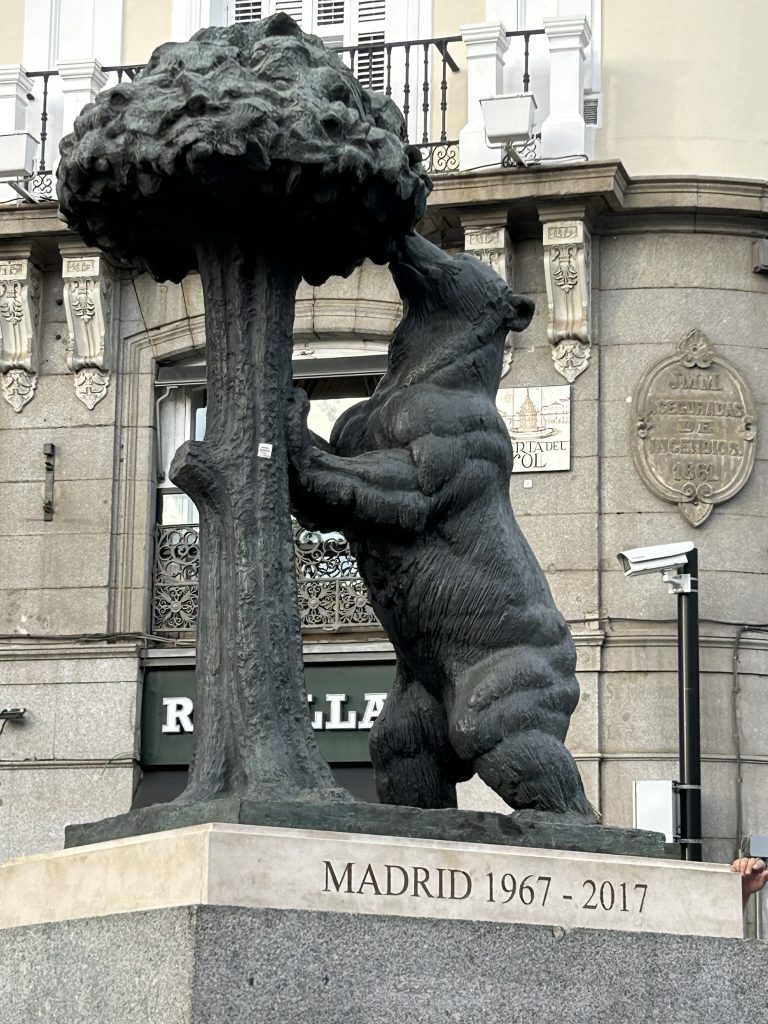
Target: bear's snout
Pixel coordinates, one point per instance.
(521, 312)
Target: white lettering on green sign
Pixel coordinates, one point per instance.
(179, 713)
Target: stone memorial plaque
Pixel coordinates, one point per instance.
(693, 433)
(300, 869)
(539, 424)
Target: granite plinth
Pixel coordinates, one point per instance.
(227, 965)
(379, 820)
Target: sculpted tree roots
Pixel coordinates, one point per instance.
(250, 154)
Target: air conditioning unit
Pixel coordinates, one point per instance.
(17, 155)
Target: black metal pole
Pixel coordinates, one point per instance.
(688, 698)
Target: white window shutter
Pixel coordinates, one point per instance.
(295, 8)
(370, 67)
(371, 10)
(367, 28)
(248, 10)
(330, 12)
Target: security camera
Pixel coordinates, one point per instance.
(664, 558)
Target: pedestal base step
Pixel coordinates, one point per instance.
(378, 820)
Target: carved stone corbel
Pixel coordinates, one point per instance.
(20, 289)
(491, 245)
(87, 303)
(567, 276)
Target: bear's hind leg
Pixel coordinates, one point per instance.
(535, 774)
(413, 761)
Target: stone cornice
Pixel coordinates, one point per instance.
(606, 181)
(40, 219)
(605, 190)
(126, 761)
(693, 193)
(43, 649)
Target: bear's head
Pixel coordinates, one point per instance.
(456, 309)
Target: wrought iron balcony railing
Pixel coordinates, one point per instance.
(420, 75)
(332, 595)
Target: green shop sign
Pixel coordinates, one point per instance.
(344, 702)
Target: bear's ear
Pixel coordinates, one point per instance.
(519, 313)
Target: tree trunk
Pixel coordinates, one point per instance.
(253, 736)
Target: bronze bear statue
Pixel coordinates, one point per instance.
(417, 478)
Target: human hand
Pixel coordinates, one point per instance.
(754, 875)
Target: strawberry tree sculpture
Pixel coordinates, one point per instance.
(252, 155)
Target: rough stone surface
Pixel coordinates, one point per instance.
(39, 800)
(375, 819)
(66, 610)
(220, 965)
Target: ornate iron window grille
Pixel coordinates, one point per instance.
(332, 594)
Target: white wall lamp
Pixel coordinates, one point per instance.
(679, 568)
(11, 715)
(509, 122)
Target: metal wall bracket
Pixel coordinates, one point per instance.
(49, 452)
(679, 582)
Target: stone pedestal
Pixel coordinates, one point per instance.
(233, 924)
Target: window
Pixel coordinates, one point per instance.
(180, 407)
(339, 23)
(329, 397)
(370, 70)
(248, 10)
(330, 12)
(332, 595)
(371, 10)
(295, 8)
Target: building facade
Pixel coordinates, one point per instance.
(635, 213)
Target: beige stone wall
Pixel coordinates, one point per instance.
(73, 756)
(146, 24)
(54, 576)
(681, 87)
(11, 31)
(650, 287)
(448, 17)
